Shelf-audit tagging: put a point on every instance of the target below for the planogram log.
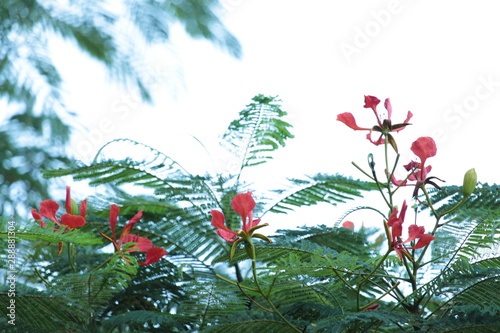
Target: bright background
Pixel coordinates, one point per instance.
(439, 59)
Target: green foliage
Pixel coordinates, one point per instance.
(34, 232)
(252, 326)
(70, 299)
(311, 279)
(331, 189)
(258, 131)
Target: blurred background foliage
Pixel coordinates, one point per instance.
(35, 124)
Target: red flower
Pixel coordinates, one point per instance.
(395, 222)
(74, 217)
(384, 124)
(48, 209)
(423, 147)
(243, 204)
(153, 254)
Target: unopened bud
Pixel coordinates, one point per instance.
(470, 181)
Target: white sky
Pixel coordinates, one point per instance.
(439, 59)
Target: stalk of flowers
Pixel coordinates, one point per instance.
(153, 254)
(243, 204)
(384, 122)
(73, 218)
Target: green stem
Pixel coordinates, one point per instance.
(239, 285)
(455, 207)
(71, 257)
(429, 203)
(101, 265)
(266, 295)
(252, 300)
(344, 280)
(363, 171)
(360, 285)
(380, 297)
(47, 284)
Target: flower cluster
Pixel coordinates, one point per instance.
(153, 254)
(243, 204)
(73, 218)
(423, 148)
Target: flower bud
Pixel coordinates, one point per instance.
(470, 181)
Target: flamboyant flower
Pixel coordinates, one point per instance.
(424, 148)
(395, 223)
(73, 218)
(243, 204)
(153, 254)
(414, 232)
(384, 123)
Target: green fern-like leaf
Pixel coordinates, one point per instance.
(259, 131)
(251, 327)
(37, 233)
(320, 188)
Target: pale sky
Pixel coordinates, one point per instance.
(438, 59)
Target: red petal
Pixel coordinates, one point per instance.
(388, 107)
(243, 204)
(424, 147)
(393, 218)
(143, 244)
(35, 215)
(153, 255)
(130, 224)
(348, 119)
(48, 209)
(73, 221)
(397, 182)
(380, 140)
(113, 216)
(253, 224)
(408, 116)
(403, 211)
(38, 218)
(423, 241)
(371, 102)
(227, 235)
(218, 219)
(83, 208)
(397, 229)
(414, 232)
